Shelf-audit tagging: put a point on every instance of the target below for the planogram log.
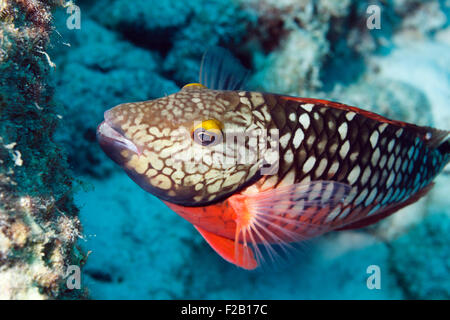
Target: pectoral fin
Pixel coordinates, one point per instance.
(279, 217)
(226, 248)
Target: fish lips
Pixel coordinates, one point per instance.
(115, 144)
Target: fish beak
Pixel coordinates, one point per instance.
(107, 132)
(115, 144)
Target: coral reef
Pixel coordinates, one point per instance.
(294, 66)
(39, 223)
(180, 31)
(425, 247)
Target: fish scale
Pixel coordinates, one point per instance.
(358, 133)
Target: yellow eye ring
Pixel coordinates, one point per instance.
(208, 132)
(211, 124)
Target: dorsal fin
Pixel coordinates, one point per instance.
(220, 70)
(337, 105)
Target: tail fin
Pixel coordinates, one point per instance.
(444, 147)
(433, 138)
(438, 140)
(438, 143)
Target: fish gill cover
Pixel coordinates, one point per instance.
(139, 50)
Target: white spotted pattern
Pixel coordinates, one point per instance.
(298, 138)
(304, 120)
(308, 106)
(354, 174)
(374, 138)
(344, 149)
(343, 130)
(350, 115)
(309, 164)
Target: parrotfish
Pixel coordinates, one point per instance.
(257, 172)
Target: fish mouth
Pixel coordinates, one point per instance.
(106, 131)
(113, 142)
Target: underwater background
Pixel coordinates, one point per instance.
(83, 210)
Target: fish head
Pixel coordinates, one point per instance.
(190, 148)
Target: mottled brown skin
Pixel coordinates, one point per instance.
(385, 162)
(162, 130)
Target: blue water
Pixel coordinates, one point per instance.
(139, 50)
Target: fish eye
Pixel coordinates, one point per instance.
(204, 138)
(208, 133)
